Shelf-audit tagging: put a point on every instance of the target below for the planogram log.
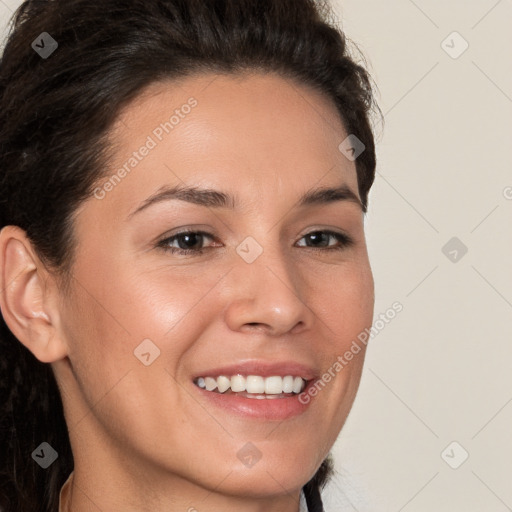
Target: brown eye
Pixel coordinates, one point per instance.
(188, 242)
(320, 240)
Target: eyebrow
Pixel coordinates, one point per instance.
(215, 199)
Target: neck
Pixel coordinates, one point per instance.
(79, 496)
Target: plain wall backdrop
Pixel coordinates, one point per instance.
(430, 429)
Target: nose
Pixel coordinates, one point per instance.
(268, 295)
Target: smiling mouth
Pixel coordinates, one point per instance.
(253, 386)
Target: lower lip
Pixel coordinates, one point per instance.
(266, 408)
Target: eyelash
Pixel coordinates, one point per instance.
(344, 240)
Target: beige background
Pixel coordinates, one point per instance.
(441, 370)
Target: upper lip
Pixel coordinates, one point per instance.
(260, 367)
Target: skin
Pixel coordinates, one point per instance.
(143, 438)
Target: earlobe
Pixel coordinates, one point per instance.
(26, 299)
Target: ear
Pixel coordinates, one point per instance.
(28, 297)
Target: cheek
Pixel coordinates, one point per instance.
(106, 325)
(345, 302)
(122, 313)
(346, 310)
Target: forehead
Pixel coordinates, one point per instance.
(252, 134)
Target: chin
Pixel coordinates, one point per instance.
(269, 479)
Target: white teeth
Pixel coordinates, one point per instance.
(255, 384)
(297, 385)
(237, 383)
(210, 383)
(223, 383)
(274, 385)
(288, 384)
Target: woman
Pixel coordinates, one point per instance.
(183, 260)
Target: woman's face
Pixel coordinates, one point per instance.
(275, 286)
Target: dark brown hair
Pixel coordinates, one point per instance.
(55, 114)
